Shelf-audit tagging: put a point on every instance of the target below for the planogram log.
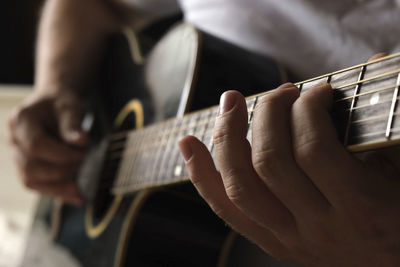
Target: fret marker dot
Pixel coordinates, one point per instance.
(374, 99)
(178, 170)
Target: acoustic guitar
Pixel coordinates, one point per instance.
(140, 209)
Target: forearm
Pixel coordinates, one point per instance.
(70, 40)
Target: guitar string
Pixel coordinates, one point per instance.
(368, 79)
(328, 75)
(132, 150)
(359, 136)
(369, 92)
(394, 130)
(320, 77)
(374, 118)
(124, 134)
(143, 181)
(190, 126)
(369, 105)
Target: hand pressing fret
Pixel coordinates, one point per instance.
(296, 191)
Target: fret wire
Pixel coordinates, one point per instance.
(374, 118)
(329, 78)
(192, 132)
(368, 92)
(179, 164)
(368, 105)
(299, 84)
(170, 143)
(151, 144)
(201, 126)
(356, 92)
(122, 171)
(253, 106)
(209, 132)
(135, 157)
(392, 109)
(249, 126)
(137, 162)
(175, 154)
(338, 100)
(158, 153)
(368, 79)
(126, 164)
(352, 68)
(378, 133)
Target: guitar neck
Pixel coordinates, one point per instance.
(365, 113)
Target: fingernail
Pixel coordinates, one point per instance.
(226, 102)
(186, 150)
(287, 86)
(73, 136)
(323, 85)
(76, 138)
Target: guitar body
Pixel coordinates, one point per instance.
(162, 226)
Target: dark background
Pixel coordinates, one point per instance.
(18, 27)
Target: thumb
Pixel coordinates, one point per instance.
(70, 127)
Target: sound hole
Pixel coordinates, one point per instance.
(112, 159)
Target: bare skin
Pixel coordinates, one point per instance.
(297, 193)
(45, 132)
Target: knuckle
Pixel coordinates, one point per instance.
(267, 162)
(273, 100)
(304, 103)
(307, 151)
(234, 190)
(221, 135)
(270, 102)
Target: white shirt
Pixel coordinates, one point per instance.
(310, 37)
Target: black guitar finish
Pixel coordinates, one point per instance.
(174, 227)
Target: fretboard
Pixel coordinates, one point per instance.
(365, 112)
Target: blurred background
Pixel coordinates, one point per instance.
(18, 25)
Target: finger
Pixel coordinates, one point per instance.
(376, 56)
(273, 158)
(207, 181)
(242, 184)
(37, 144)
(41, 171)
(68, 191)
(318, 151)
(70, 123)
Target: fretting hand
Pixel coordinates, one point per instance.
(297, 192)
